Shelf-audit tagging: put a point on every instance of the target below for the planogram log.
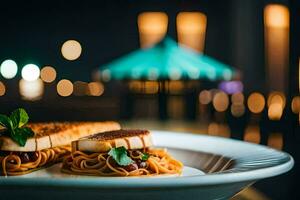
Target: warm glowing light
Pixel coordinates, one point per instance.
(96, 88)
(175, 87)
(71, 50)
(277, 16)
(152, 27)
(48, 74)
(276, 97)
(64, 88)
(2, 89)
(31, 90)
(220, 101)
(135, 86)
(256, 102)
(191, 28)
(80, 88)
(296, 104)
(237, 110)
(237, 98)
(151, 87)
(205, 97)
(275, 111)
(30, 72)
(9, 69)
(275, 140)
(218, 130)
(252, 134)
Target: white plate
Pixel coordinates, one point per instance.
(215, 168)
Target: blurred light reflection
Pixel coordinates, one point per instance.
(256, 102)
(31, 90)
(48, 74)
(8, 69)
(252, 134)
(71, 50)
(64, 88)
(2, 89)
(275, 140)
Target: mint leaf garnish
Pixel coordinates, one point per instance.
(120, 156)
(145, 157)
(14, 126)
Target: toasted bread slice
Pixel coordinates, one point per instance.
(48, 135)
(103, 142)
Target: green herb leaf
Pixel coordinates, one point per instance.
(6, 122)
(20, 135)
(120, 156)
(14, 126)
(19, 117)
(145, 157)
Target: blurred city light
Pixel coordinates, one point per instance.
(296, 104)
(95, 89)
(31, 90)
(275, 111)
(276, 97)
(220, 101)
(71, 50)
(153, 27)
(277, 16)
(277, 22)
(48, 74)
(2, 89)
(256, 102)
(205, 97)
(191, 29)
(64, 88)
(237, 110)
(237, 98)
(30, 72)
(175, 87)
(252, 134)
(151, 87)
(8, 69)
(231, 87)
(275, 140)
(276, 103)
(221, 130)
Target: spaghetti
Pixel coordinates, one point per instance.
(102, 164)
(15, 163)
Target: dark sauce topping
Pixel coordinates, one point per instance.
(110, 135)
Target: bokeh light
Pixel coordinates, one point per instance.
(48, 74)
(31, 90)
(191, 28)
(277, 16)
(296, 104)
(71, 50)
(237, 110)
(220, 101)
(205, 97)
(275, 140)
(9, 69)
(216, 129)
(153, 27)
(2, 89)
(64, 88)
(95, 89)
(237, 98)
(275, 111)
(252, 134)
(276, 97)
(30, 72)
(256, 102)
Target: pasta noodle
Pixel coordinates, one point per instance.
(12, 164)
(102, 164)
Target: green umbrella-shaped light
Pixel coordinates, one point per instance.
(166, 60)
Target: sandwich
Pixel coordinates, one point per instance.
(47, 144)
(119, 153)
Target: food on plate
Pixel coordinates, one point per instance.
(119, 153)
(27, 147)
